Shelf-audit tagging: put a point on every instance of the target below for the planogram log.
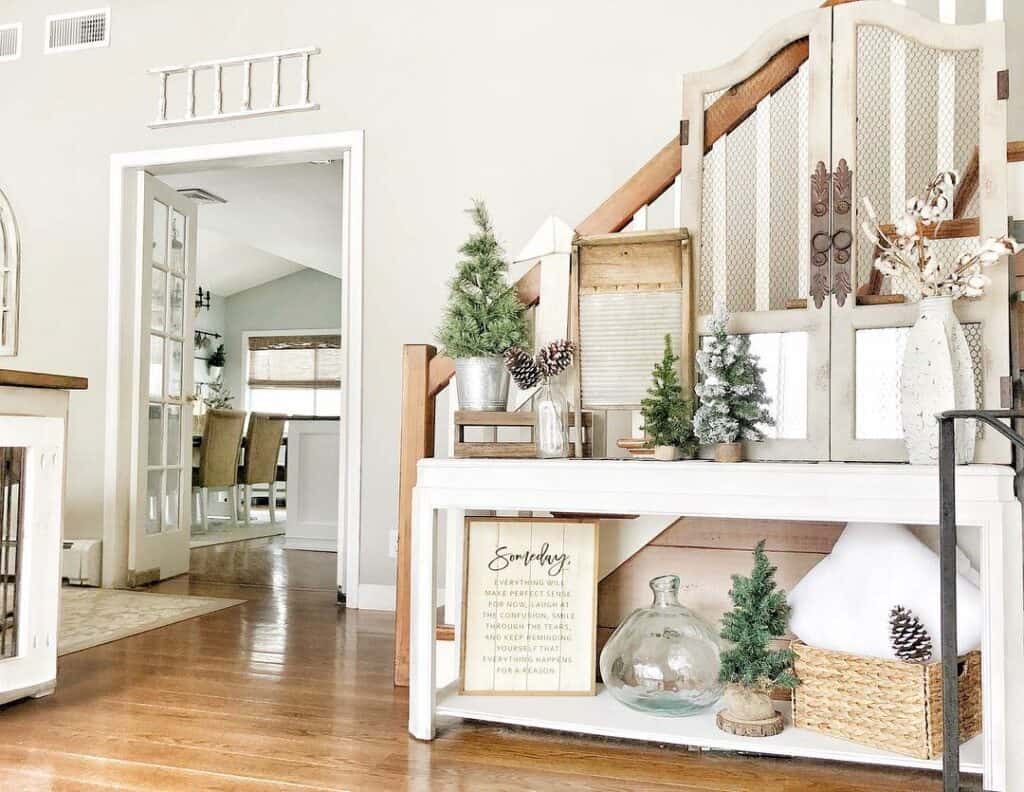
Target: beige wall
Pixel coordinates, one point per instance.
(540, 107)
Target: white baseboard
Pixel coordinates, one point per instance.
(304, 543)
(374, 596)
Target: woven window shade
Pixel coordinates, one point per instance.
(309, 361)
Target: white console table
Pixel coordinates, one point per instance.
(33, 427)
(783, 491)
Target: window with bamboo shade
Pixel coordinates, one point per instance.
(295, 374)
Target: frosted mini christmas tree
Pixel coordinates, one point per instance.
(733, 401)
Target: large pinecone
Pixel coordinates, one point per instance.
(909, 639)
(556, 357)
(522, 368)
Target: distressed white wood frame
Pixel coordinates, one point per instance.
(347, 146)
(10, 263)
(246, 110)
(36, 420)
(816, 25)
(990, 310)
(878, 493)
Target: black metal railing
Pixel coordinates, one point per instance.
(948, 572)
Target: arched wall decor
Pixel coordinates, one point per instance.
(10, 266)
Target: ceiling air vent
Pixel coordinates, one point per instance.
(78, 30)
(10, 42)
(201, 195)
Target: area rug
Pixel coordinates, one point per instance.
(90, 616)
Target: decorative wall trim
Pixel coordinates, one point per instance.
(246, 110)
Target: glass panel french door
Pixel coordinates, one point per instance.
(911, 98)
(749, 205)
(162, 473)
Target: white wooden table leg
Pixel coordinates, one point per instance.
(995, 724)
(423, 621)
(454, 520)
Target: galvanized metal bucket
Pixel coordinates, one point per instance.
(482, 383)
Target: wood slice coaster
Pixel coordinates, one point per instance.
(768, 727)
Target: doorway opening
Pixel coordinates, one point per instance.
(236, 283)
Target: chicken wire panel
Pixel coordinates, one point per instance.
(622, 337)
(789, 226)
(879, 370)
(917, 114)
(728, 275)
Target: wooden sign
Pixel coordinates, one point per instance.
(529, 607)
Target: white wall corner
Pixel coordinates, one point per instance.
(380, 597)
(554, 236)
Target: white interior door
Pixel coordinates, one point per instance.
(160, 524)
(748, 202)
(912, 97)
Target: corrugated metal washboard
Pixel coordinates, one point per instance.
(632, 289)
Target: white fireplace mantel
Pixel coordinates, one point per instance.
(840, 492)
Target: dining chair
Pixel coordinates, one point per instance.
(262, 448)
(218, 460)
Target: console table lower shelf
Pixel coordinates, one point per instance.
(601, 715)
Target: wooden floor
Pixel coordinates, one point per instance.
(287, 692)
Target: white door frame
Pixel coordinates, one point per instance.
(347, 146)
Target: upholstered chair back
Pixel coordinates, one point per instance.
(219, 452)
(262, 444)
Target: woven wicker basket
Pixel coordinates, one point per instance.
(887, 704)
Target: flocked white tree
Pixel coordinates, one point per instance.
(732, 395)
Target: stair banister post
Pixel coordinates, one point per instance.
(417, 442)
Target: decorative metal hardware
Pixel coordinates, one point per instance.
(1003, 85)
(842, 234)
(821, 241)
(202, 299)
(684, 132)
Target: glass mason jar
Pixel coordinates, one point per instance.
(663, 660)
(552, 432)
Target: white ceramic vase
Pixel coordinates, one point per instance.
(937, 376)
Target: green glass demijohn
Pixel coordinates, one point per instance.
(663, 660)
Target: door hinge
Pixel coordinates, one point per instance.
(1003, 85)
(684, 132)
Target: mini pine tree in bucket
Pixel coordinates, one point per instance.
(750, 668)
(666, 412)
(733, 399)
(484, 318)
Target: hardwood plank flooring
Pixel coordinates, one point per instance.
(288, 692)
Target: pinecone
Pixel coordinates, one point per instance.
(522, 368)
(910, 640)
(556, 357)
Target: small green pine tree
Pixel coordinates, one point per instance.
(732, 393)
(760, 613)
(484, 315)
(666, 411)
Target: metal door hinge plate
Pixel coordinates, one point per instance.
(1003, 85)
(684, 132)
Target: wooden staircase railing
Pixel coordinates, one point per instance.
(426, 374)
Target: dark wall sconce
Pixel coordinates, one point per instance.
(202, 299)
